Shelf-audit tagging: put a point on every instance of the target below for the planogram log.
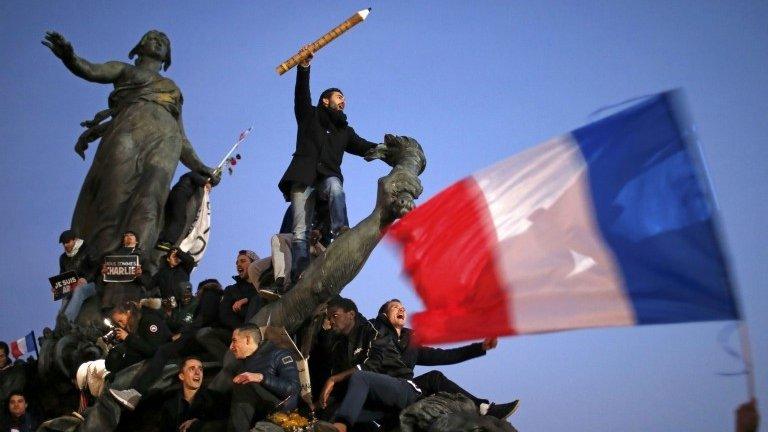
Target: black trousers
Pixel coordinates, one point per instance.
(152, 369)
(434, 381)
(248, 400)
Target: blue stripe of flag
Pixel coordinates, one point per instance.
(655, 215)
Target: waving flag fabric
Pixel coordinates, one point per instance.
(610, 225)
(24, 345)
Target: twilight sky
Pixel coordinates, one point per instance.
(474, 82)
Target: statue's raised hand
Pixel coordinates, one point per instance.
(60, 46)
(396, 194)
(399, 189)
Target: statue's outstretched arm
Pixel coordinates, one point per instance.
(344, 258)
(106, 73)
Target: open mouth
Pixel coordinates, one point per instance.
(400, 316)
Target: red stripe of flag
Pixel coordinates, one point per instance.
(448, 246)
(15, 350)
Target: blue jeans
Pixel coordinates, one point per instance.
(79, 297)
(369, 389)
(303, 200)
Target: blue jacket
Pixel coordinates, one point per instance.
(281, 377)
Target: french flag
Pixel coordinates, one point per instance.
(24, 345)
(609, 225)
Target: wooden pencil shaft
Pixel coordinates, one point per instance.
(321, 42)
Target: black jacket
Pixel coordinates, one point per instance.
(167, 280)
(205, 406)
(149, 334)
(189, 183)
(25, 423)
(350, 351)
(281, 377)
(207, 310)
(141, 344)
(320, 143)
(239, 290)
(398, 356)
(81, 263)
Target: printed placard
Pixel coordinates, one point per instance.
(120, 268)
(63, 284)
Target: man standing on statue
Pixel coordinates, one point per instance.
(315, 169)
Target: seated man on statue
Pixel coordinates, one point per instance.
(267, 379)
(116, 293)
(280, 262)
(77, 258)
(350, 347)
(172, 277)
(192, 407)
(139, 333)
(239, 303)
(391, 321)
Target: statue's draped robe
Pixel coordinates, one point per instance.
(128, 182)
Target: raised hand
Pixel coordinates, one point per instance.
(310, 55)
(60, 47)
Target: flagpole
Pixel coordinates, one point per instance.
(34, 342)
(746, 354)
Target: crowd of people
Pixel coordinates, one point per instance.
(361, 371)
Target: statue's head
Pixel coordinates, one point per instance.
(154, 44)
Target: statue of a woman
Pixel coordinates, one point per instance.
(128, 182)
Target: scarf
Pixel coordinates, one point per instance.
(76, 249)
(337, 118)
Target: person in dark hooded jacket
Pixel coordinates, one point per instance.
(172, 278)
(239, 302)
(181, 193)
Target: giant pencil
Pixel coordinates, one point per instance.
(324, 40)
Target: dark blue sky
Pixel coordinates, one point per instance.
(474, 82)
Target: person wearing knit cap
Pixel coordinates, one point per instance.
(76, 258)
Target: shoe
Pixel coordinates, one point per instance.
(129, 398)
(163, 246)
(269, 294)
(502, 411)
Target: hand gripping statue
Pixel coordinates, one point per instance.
(141, 145)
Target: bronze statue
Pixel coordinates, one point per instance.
(141, 145)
